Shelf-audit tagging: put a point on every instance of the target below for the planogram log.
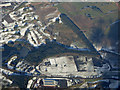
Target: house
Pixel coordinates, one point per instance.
(7, 20)
(36, 17)
(29, 83)
(55, 19)
(30, 8)
(26, 9)
(16, 26)
(5, 5)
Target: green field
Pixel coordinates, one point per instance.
(98, 25)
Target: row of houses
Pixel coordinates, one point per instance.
(19, 21)
(21, 66)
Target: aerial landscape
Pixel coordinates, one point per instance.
(59, 45)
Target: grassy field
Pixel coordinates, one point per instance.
(97, 26)
(67, 21)
(82, 8)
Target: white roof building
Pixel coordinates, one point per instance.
(52, 61)
(6, 5)
(5, 22)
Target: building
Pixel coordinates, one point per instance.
(5, 5)
(50, 82)
(60, 83)
(7, 19)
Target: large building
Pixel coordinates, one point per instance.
(59, 66)
(61, 83)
